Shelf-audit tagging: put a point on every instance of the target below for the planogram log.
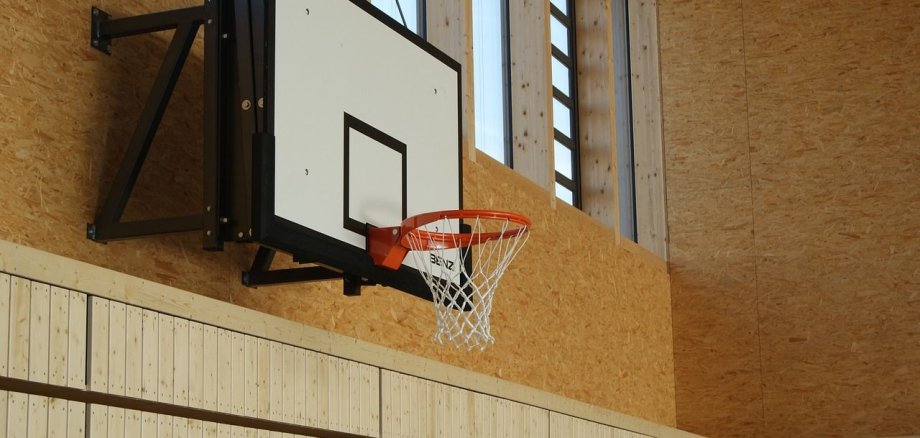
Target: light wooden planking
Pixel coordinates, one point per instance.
(39, 332)
(196, 364)
(209, 400)
(165, 353)
(195, 429)
(180, 427)
(224, 371)
(99, 345)
(300, 386)
(210, 430)
(287, 391)
(4, 408)
(450, 29)
(17, 415)
(224, 431)
(263, 377)
(134, 355)
(116, 422)
(133, 423)
(98, 421)
(531, 92)
(59, 337)
(164, 426)
(238, 372)
(38, 416)
(20, 299)
(76, 350)
(276, 382)
(118, 321)
(76, 419)
(150, 352)
(596, 112)
(4, 325)
(148, 425)
(181, 362)
(648, 154)
(57, 418)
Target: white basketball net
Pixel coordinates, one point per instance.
(463, 279)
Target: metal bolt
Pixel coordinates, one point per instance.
(240, 235)
(261, 102)
(95, 11)
(225, 36)
(395, 231)
(435, 91)
(306, 172)
(223, 220)
(250, 232)
(208, 232)
(210, 21)
(95, 42)
(208, 208)
(246, 105)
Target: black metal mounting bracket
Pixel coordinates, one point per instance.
(108, 225)
(261, 274)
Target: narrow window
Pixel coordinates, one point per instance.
(626, 179)
(565, 102)
(491, 78)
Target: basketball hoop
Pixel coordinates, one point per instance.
(462, 278)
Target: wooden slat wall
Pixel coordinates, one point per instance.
(531, 92)
(651, 209)
(43, 333)
(414, 407)
(138, 352)
(596, 112)
(564, 426)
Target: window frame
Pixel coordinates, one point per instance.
(505, 36)
(571, 101)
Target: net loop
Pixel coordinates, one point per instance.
(463, 268)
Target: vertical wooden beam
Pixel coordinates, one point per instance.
(531, 92)
(450, 28)
(76, 351)
(647, 134)
(596, 111)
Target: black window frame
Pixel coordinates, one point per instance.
(507, 148)
(569, 101)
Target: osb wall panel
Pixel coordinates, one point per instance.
(577, 315)
(816, 272)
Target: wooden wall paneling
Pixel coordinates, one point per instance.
(116, 422)
(597, 112)
(276, 381)
(196, 348)
(195, 429)
(76, 352)
(251, 372)
(59, 340)
(300, 386)
(4, 408)
(76, 419)
(287, 392)
(263, 376)
(117, 348)
(238, 373)
(180, 427)
(133, 423)
(373, 375)
(561, 425)
(17, 415)
(334, 394)
(449, 28)
(538, 422)
(209, 398)
(57, 417)
(485, 415)
(531, 92)
(39, 332)
(98, 421)
(210, 430)
(224, 371)
(651, 208)
(166, 353)
(148, 425)
(5, 324)
(150, 356)
(165, 426)
(387, 418)
(20, 299)
(224, 431)
(181, 363)
(99, 348)
(356, 414)
(38, 416)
